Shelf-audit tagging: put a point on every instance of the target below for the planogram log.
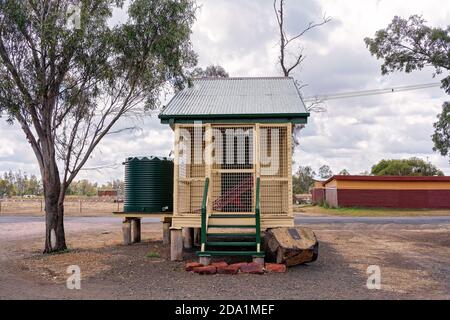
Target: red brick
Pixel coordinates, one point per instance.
(205, 270)
(191, 265)
(239, 264)
(275, 267)
(219, 264)
(232, 269)
(252, 268)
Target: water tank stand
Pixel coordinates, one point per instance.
(131, 229)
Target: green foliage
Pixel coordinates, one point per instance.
(441, 136)
(67, 86)
(82, 188)
(405, 167)
(303, 180)
(19, 184)
(211, 71)
(325, 172)
(344, 172)
(153, 254)
(408, 45)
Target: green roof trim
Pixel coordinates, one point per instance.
(278, 117)
(297, 120)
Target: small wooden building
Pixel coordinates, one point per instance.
(232, 173)
(385, 192)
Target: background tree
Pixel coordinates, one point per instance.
(289, 58)
(68, 84)
(211, 71)
(287, 41)
(405, 167)
(325, 172)
(408, 45)
(441, 136)
(303, 180)
(19, 184)
(344, 172)
(82, 188)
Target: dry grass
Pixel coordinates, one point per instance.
(369, 212)
(73, 207)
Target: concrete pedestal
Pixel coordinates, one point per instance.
(206, 261)
(259, 261)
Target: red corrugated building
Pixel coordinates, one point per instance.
(318, 193)
(384, 192)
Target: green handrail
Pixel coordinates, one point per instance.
(204, 202)
(258, 217)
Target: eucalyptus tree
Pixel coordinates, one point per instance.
(409, 45)
(67, 75)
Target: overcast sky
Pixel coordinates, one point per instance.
(241, 35)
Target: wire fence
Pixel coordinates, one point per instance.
(71, 207)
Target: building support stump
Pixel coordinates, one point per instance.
(176, 245)
(136, 229)
(126, 230)
(166, 230)
(197, 237)
(188, 237)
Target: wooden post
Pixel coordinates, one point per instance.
(176, 245)
(41, 205)
(289, 171)
(197, 236)
(136, 229)
(126, 229)
(80, 206)
(166, 230)
(188, 234)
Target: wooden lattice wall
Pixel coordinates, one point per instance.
(233, 156)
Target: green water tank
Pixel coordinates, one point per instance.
(148, 185)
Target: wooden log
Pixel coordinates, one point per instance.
(176, 245)
(291, 246)
(126, 230)
(136, 229)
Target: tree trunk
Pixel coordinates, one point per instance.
(55, 239)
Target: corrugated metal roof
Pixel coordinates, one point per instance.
(237, 96)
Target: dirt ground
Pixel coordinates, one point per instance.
(414, 262)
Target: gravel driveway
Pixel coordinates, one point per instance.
(412, 253)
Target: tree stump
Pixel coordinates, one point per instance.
(291, 246)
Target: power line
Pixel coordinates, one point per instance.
(107, 166)
(354, 94)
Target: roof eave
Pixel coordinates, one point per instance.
(289, 117)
